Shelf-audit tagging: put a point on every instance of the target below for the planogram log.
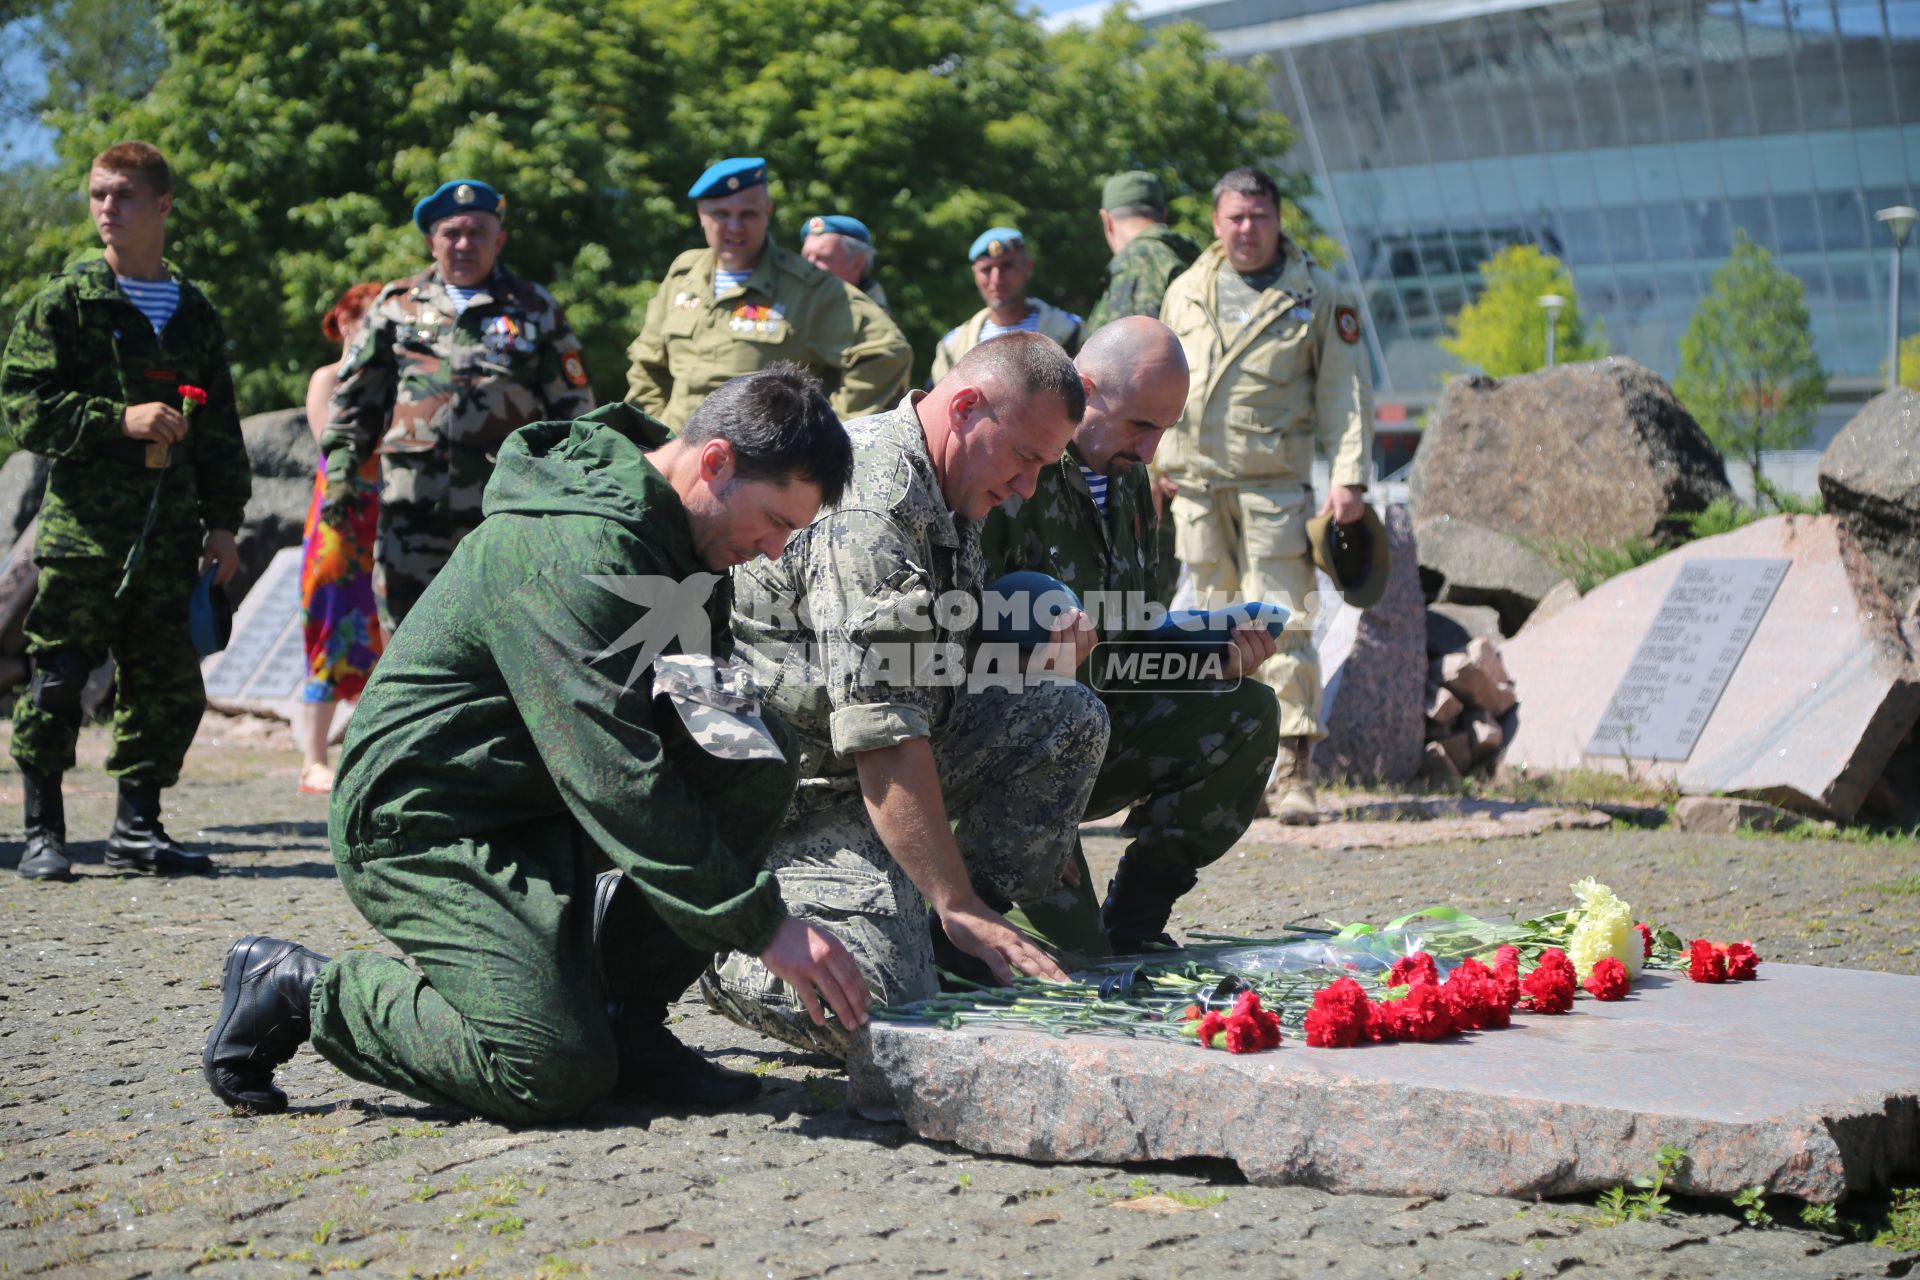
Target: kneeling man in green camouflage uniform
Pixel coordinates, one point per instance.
(916, 787)
(1189, 766)
(548, 800)
(99, 376)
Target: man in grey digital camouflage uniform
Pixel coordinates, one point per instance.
(915, 791)
(452, 362)
(1187, 766)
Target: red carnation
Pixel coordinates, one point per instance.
(1243, 1034)
(1646, 941)
(1422, 1014)
(1191, 1013)
(1416, 966)
(1339, 1015)
(191, 397)
(1705, 962)
(1267, 1024)
(1549, 988)
(1476, 997)
(1508, 954)
(1508, 976)
(1742, 961)
(1608, 981)
(1209, 1027)
(1555, 958)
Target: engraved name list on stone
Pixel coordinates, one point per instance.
(1683, 664)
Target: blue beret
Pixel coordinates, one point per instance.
(995, 241)
(735, 173)
(840, 225)
(458, 195)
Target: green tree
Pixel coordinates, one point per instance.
(1910, 362)
(1748, 371)
(301, 132)
(1504, 330)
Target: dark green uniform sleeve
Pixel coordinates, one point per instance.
(362, 402)
(43, 392)
(599, 745)
(221, 470)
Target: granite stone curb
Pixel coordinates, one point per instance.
(1804, 1083)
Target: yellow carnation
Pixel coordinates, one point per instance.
(1602, 927)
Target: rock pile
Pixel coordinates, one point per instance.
(1470, 704)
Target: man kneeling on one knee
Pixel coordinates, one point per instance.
(1188, 765)
(549, 800)
(917, 790)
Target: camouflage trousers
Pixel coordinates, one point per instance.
(503, 1010)
(1016, 770)
(157, 695)
(415, 543)
(1189, 770)
(1248, 543)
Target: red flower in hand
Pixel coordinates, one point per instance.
(1339, 1015)
(191, 397)
(1742, 961)
(1646, 941)
(1608, 981)
(1706, 962)
(1414, 967)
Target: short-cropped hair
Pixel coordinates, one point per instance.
(1031, 364)
(141, 158)
(1247, 181)
(781, 428)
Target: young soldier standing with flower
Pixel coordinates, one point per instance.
(93, 378)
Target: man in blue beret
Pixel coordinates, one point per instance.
(743, 303)
(1002, 269)
(843, 245)
(451, 362)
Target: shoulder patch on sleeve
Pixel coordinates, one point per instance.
(1346, 323)
(574, 369)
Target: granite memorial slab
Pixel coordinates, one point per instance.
(1804, 1081)
(1813, 702)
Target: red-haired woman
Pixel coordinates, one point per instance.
(336, 569)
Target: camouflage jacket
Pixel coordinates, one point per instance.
(511, 697)
(789, 309)
(79, 355)
(1061, 531)
(435, 390)
(843, 633)
(1139, 274)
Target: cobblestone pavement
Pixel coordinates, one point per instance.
(115, 1161)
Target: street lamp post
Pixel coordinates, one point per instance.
(1551, 302)
(1899, 220)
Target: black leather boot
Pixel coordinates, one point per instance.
(140, 844)
(654, 1065)
(45, 857)
(265, 994)
(1139, 903)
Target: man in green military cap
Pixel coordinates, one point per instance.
(550, 799)
(744, 302)
(117, 371)
(1147, 253)
(451, 362)
(1189, 766)
(1002, 270)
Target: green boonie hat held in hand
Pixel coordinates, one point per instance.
(1353, 555)
(1132, 189)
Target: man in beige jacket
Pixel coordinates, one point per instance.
(1274, 347)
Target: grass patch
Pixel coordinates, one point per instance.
(1904, 887)
(1572, 787)
(1902, 1228)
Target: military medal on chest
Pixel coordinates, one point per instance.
(504, 335)
(751, 317)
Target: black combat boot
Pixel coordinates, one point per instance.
(265, 994)
(139, 843)
(45, 857)
(654, 1065)
(1139, 903)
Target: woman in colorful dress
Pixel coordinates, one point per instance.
(336, 569)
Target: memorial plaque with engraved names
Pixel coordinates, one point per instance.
(1682, 666)
(266, 658)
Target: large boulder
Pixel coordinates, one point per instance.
(23, 482)
(1469, 564)
(1600, 451)
(1375, 699)
(284, 458)
(1870, 478)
